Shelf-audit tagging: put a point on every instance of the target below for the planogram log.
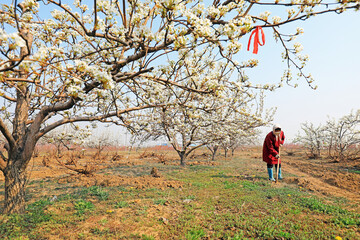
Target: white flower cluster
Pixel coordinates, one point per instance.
(196, 18)
(299, 31)
(236, 27)
(265, 15)
(31, 4)
(214, 12)
(44, 52)
(75, 85)
(12, 40)
(303, 60)
(118, 31)
(287, 76)
(290, 12)
(58, 15)
(141, 13)
(144, 31)
(74, 88)
(251, 63)
(298, 47)
(97, 72)
(83, 7)
(276, 19)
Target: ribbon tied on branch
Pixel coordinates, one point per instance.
(257, 39)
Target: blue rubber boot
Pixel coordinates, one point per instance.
(280, 177)
(271, 176)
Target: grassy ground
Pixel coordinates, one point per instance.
(231, 201)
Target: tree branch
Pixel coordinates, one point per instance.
(166, 81)
(7, 134)
(7, 97)
(44, 112)
(195, 147)
(90, 118)
(20, 80)
(95, 18)
(140, 54)
(2, 162)
(119, 77)
(13, 64)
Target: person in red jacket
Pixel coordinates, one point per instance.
(271, 156)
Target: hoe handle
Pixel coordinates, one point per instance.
(277, 169)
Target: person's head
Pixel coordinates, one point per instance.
(277, 129)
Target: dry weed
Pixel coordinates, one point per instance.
(116, 158)
(46, 161)
(155, 172)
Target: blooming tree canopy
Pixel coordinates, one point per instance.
(341, 138)
(101, 60)
(202, 119)
(313, 138)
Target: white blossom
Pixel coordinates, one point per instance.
(298, 47)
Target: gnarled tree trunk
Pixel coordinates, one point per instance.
(15, 175)
(15, 181)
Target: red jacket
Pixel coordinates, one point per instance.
(271, 147)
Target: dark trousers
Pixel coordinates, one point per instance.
(271, 165)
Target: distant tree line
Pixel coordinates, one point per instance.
(336, 139)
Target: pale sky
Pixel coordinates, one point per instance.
(332, 42)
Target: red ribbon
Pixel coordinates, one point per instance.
(256, 39)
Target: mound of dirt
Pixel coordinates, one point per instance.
(350, 181)
(292, 180)
(329, 173)
(329, 184)
(141, 182)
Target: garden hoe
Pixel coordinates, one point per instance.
(277, 168)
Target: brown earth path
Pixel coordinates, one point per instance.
(316, 184)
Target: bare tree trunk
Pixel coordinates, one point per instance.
(15, 181)
(215, 148)
(182, 158)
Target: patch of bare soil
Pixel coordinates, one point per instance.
(47, 164)
(141, 182)
(324, 176)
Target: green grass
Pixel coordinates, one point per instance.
(354, 171)
(231, 201)
(160, 201)
(82, 207)
(16, 225)
(195, 234)
(99, 192)
(121, 204)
